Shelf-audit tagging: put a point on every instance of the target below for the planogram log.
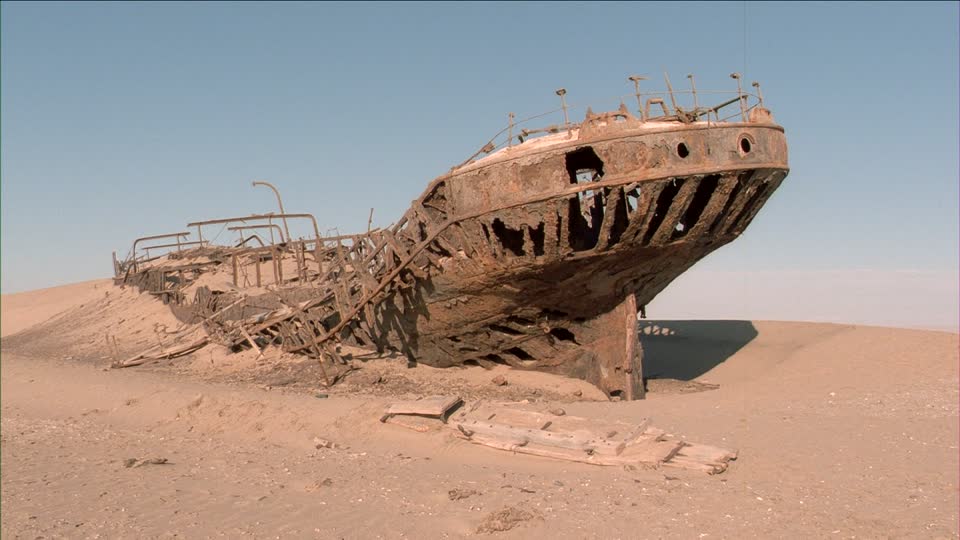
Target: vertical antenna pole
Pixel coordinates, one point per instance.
(693, 88)
(563, 104)
(636, 87)
(673, 100)
(744, 38)
(743, 108)
(510, 133)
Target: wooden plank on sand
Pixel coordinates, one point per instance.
(417, 423)
(584, 428)
(436, 406)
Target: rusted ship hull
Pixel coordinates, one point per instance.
(538, 256)
(536, 278)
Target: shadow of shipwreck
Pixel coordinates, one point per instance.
(685, 350)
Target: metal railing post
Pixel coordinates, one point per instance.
(759, 93)
(743, 108)
(673, 100)
(636, 88)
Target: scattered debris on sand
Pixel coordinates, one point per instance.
(459, 494)
(506, 519)
(135, 462)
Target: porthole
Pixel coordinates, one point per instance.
(745, 144)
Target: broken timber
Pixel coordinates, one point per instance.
(569, 438)
(538, 255)
(438, 407)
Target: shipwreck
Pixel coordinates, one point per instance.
(538, 251)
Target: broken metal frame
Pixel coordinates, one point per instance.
(270, 226)
(133, 250)
(255, 217)
(254, 236)
(178, 245)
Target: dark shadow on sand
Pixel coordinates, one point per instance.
(685, 350)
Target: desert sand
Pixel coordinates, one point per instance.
(842, 432)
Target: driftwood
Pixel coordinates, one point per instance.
(147, 355)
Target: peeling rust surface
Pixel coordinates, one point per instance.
(538, 256)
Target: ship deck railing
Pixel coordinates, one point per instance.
(651, 107)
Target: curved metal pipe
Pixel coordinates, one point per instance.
(279, 201)
(253, 236)
(266, 226)
(133, 250)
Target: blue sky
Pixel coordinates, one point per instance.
(125, 119)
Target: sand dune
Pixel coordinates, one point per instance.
(23, 310)
(844, 431)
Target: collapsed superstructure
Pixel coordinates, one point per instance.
(539, 254)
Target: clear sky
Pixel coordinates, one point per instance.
(126, 119)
